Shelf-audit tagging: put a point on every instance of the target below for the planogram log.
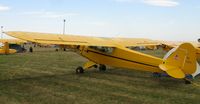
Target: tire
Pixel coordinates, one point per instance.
(102, 67)
(79, 70)
(95, 66)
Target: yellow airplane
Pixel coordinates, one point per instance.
(5, 49)
(177, 63)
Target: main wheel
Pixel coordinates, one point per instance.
(102, 67)
(95, 66)
(79, 70)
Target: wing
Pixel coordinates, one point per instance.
(136, 42)
(175, 44)
(12, 41)
(80, 40)
(196, 44)
(61, 39)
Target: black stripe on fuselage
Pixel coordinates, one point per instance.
(121, 58)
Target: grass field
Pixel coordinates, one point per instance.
(49, 78)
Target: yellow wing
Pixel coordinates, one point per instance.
(79, 40)
(47, 38)
(136, 42)
(17, 41)
(172, 44)
(175, 44)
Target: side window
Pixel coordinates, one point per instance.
(108, 50)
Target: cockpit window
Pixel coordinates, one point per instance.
(108, 50)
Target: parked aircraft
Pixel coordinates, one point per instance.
(179, 62)
(5, 48)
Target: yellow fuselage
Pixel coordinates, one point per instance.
(124, 58)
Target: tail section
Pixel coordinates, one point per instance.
(180, 61)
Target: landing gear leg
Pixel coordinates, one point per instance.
(102, 67)
(87, 65)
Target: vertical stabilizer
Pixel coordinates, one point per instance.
(180, 61)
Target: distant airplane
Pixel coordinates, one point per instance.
(179, 62)
(5, 49)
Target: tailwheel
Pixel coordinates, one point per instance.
(79, 70)
(102, 67)
(188, 79)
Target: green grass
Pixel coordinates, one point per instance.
(49, 78)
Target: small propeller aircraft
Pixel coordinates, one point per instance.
(5, 49)
(180, 61)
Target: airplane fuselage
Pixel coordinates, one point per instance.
(122, 57)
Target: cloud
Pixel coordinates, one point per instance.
(4, 8)
(47, 14)
(164, 3)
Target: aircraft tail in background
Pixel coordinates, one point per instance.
(5, 49)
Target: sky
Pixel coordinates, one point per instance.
(175, 20)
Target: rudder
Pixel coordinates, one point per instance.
(180, 61)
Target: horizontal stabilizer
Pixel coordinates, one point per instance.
(172, 71)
